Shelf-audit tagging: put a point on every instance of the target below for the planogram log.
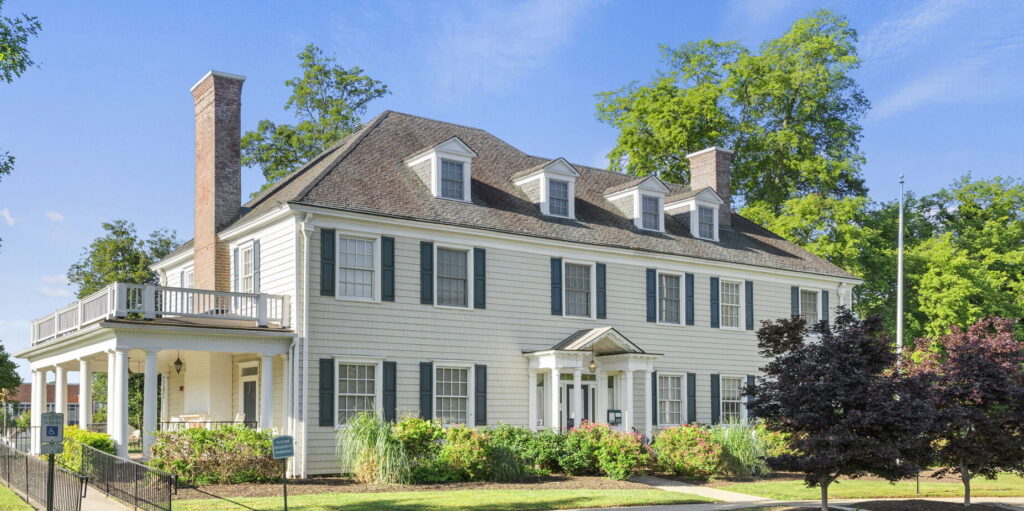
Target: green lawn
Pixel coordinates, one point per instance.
(1005, 485)
(11, 502)
(461, 500)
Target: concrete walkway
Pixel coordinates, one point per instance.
(1010, 503)
(701, 491)
(95, 500)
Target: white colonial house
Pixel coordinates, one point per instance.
(430, 269)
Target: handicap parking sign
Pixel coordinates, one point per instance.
(52, 431)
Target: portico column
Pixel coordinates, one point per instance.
(60, 393)
(111, 411)
(84, 394)
(601, 406)
(267, 392)
(148, 403)
(554, 389)
(648, 409)
(38, 406)
(577, 397)
(627, 390)
(120, 403)
(531, 393)
(285, 398)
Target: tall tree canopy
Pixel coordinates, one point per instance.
(120, 256)
(791, 112)
(328, 101)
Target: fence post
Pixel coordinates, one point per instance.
(286, 311)
(149, 301)
(261, 309)
(121, 300)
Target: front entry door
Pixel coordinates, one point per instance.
(567, 395)
(249, 401)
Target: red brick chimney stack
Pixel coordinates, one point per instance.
(712, 167)
(218, 197)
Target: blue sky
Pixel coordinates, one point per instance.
(102, 129)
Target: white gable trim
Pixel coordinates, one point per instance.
(453, 149)
(559, 169)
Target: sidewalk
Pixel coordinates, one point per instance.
(95, 500)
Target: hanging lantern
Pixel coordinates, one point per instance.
(178, 364)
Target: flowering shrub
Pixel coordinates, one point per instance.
(622, 454)
(546, 450)
(581, 446)
(689, 451)
(229, 454)
(421, 438)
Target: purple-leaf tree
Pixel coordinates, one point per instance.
(977, 390)
(836, 394)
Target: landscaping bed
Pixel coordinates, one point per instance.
(792, 487)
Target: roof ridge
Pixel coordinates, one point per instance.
(361, 134)
(466, 126)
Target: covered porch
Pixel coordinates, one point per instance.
(203, 358)
(590, 376)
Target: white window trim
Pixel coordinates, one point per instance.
(185, 272)
(743, 304)
(376, 298)
(560, 170)
(660, 210)
(470, 389)
(743, 402)
(682, 297)
(817, 301)
(469, 275)
(695, 220)
(545, 197)
(593, 288)
(683, 408)
(241, 388)
(249, 245)
(378, 383)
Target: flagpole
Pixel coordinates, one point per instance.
(899, 279)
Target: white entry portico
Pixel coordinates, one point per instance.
(591, 375)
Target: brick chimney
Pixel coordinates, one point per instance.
(218, 197)
(712, 167)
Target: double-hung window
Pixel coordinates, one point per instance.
(706, 222)
(668, 299)
(558, 197)
(650, 210)
(577, 290)
(809, 306)
(732, 399)
(452, 277)
(730, 304)
(356, 268)
(670, 400)
(452, 179)
(248, 267)
(451, 394)
(357, 389)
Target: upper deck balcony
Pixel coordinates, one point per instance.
(147, 301)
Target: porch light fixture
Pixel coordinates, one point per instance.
(178, 364)
(592, 366)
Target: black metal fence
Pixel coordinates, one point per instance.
(133, 483)
(27, 474)
(17, 437)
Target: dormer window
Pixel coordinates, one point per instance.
(551, 186)
(641, 201)
(706, 222)
(558, 197)
(650, 207)
(446, 169)
(452, 180)
(698, 208)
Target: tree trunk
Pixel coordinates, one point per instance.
(965, 476)
(824, 492)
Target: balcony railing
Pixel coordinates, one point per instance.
(148, 301)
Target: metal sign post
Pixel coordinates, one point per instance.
(281, 448)
(52, 442)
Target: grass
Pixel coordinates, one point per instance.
(11, 502)
(1006, 485)
(461, 500)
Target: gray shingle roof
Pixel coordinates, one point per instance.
(365, 173)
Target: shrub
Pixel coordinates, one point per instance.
(421, 438)
(74, 438)
(371, 450)
(509, 449)
(229, 454)
(581, 446)
(773, 443)
(621, 455)
(689, 451)
(463, 456)
(743, 454)
(546, 450)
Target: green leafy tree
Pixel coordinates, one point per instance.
(791, 111)
(120, 256)
(328, 101)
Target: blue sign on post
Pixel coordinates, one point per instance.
(282, 447)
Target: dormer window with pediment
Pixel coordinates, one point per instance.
(446, 169)
(699, 210)
(642, 201)
(551, 186)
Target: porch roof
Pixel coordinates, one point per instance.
(604, 340)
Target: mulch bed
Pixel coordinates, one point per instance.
(346, 485)
(927, 476)
(920, 505)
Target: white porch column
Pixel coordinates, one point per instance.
(627, 392)
(60, 392)
(554, 387)
(531, 391)
(266, 392)
(601, 406)
(285, 396)
(38, 406)
(648, 400)
(84, 394)
(111, 411)
(577, 397)
(149, 403)
(120, 401)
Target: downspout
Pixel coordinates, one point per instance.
(307, 231)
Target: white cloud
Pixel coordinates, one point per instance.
(58, 279)
(897, 36)
(55, 216)
(6, 215)
(54, 286)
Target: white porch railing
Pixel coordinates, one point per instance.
(150, 301)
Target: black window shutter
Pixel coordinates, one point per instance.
(390, 391)
(750, 304)
(750, 397)
(652, 295)
(602, 292)
(794, 300)
(654, 398)
(426, 272)
(327, 262)
(714, 302)
(387, 269)
(716, 399)
(479, 278)
(426, 390)
(689, 299)
(255, 266)
(691, 397)
(556, 286)
(327, 392)
(234, 270)
(824, 306)
(480, 403)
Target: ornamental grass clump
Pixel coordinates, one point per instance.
(370, 450)
(689, 451)
(743, 452)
